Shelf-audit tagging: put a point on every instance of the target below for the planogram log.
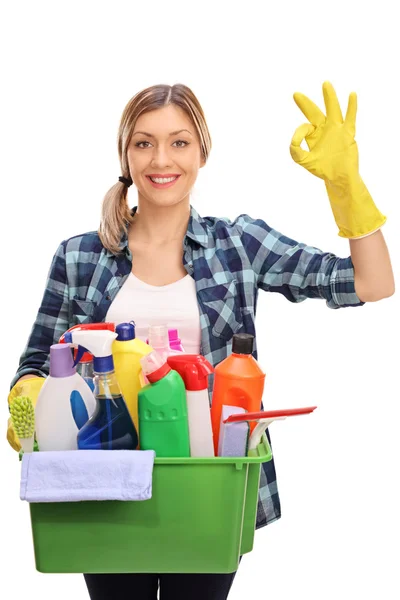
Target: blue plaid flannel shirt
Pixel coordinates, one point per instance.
(229, 261)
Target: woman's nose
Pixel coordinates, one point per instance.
(161, 157)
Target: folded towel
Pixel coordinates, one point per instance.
(76, 475)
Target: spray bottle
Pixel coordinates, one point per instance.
(194, 370)
(85, 369)
(111, 426)
(56, 428)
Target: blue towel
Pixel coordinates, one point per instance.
(76, 475)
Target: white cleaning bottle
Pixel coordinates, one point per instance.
(194, 370)
(55, 424)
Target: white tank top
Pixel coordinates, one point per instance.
(174, 305)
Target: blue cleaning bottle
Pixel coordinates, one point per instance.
(111, 426)
(85, 370)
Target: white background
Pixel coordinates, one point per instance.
(67, 72)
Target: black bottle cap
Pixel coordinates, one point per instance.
(242, 343)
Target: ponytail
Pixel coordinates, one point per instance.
(115, 215)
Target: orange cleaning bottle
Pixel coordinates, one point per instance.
(238, 381)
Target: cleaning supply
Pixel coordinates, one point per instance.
(163, 418)
(127, 351)
(85, 369)
(233, 436)
(238, 381)
(35, 449)
(26, 387)
(123, 475)
(194, 370)
(23, 419)
(86, 357)
(333, 157)
(111, 426)
(201, 519)
(263, 420)
(159, 340)
(175, 342)
(56, 428)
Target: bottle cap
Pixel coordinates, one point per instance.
(193, 368)
(158, 336)
(61, 361)
(154, 366)
(242, 343)
(126, 331)
(173, 336)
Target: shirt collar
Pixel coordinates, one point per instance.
(196, 231)
(197, 228)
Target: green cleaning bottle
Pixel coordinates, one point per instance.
(163, 415)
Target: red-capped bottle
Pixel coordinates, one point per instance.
(163, 419)
(194, 370)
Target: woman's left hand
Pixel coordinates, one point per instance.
(333, 156)
(333, 152)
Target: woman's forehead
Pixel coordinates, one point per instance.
(164, 121)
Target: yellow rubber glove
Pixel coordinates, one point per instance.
(27, 387)
(333, 156)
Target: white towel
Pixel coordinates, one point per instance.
(76, 475)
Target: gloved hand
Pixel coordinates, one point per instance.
(333, 157)
(25, 387)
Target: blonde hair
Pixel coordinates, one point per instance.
(115, 212)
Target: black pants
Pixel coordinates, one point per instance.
(132, 586)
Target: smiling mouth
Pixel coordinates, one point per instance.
(163, 180)
(159, 181)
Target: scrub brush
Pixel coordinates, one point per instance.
(23, 420)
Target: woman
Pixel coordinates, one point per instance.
(161, 262)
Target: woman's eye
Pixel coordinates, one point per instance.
(180, 142)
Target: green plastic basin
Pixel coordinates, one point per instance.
(200, 519)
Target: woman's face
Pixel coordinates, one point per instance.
(164, 146)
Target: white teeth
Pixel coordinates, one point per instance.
(163, 179)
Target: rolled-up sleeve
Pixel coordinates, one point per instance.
(50, 323)
(296, 270)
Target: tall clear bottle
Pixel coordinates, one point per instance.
(159, 340)
(85, 370)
